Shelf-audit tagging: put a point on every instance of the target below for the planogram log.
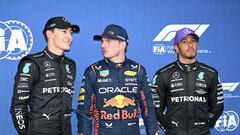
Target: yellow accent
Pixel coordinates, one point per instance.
(130, 73)
(81, 98)
(119, 98)
(82, 90)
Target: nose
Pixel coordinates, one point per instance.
(69, 35)
(104, 44)
(190, 43)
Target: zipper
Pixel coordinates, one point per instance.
(187, 89)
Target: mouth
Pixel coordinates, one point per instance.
(104, 51)
(191, 50)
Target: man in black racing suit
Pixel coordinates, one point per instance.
(113, 90)
(44, 84)
(187, 94)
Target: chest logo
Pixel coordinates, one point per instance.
(176, 75)
(119, 101)
(47, 64)
(130, 73)
(104, 73)
(201, 75)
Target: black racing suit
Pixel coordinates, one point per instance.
(113, 94)
(42, 96)
(188, 98)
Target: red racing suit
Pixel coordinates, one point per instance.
(112, 94)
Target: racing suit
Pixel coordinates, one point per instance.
(113, 95)
(188, 98)
(42, 96)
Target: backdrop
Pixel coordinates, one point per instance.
(151, 25)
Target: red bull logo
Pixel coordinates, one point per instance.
(119, 101)
(120, 114)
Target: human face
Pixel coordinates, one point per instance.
(60, 39)
(187, 49)
(112, 49)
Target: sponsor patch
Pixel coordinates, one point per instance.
(130, 73)
(104, 73)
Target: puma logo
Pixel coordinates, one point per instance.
(47, 116)
(175, 123)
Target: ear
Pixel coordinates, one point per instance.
(49, 33)
(176, 48)
(123, 44)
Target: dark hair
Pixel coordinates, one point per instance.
(45, 35)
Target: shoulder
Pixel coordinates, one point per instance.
(95, 66)
(167, 68)
(129, 61)
(31, 58)
(34, 56)
(207, 68)
(69, 60)
(136, 65)
(29, 63)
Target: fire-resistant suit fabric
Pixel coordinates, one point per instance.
(188, 98)
(112, 94)
(42, 96)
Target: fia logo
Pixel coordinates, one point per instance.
(16, 40)
(228, 121)
(159, 49)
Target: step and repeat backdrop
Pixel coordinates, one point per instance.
(151, 25)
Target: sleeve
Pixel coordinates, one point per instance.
(85, 104)
(146, 105)
(216, 101)
(24, 81)
(159, 99)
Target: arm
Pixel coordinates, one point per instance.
(216, 101)
(146, 105)
(159, 99)
(24, 80)
(85, 105)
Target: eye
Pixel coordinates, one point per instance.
(183, 41)
(193, 40)
(64, 31)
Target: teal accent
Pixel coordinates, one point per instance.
(67, 67)
(154, 79)
(201, 75)
(26, 68)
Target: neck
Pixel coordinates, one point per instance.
(55, 50)
(187, 61)
(119, 59)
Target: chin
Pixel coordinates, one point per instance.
(191, 57)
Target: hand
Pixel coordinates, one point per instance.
(80, 133)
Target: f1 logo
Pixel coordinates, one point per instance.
(168, 32)
(230, 86)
